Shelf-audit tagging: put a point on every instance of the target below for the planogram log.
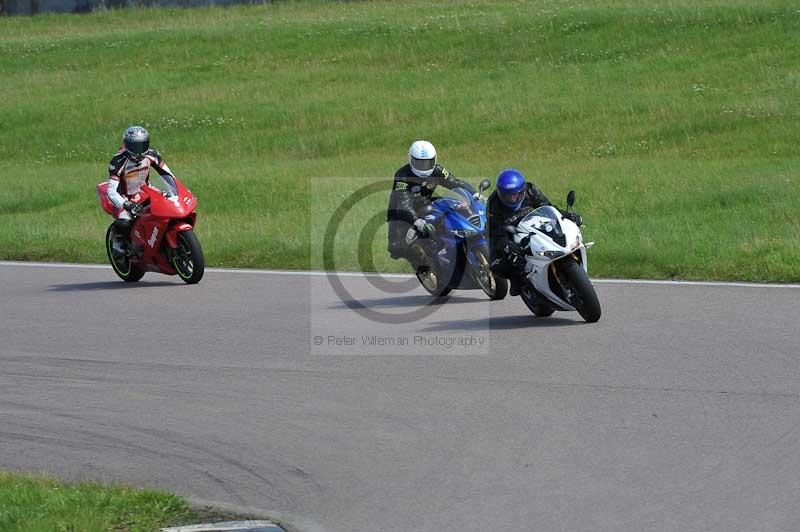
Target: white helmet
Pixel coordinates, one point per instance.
(422, 158)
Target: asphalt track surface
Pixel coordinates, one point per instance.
(678, 411)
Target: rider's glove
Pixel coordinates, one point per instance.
(516, 261)
(479, 197)
(425, 229)
(514, 254)
(131, 207)
(574, 217)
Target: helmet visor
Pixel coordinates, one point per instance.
(137, 147)
(510, 198)
(423, 165)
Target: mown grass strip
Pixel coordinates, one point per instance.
(677, 122)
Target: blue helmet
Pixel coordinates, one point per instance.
(510, 186)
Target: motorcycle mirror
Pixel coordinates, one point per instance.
(484, 185)
(570, 199)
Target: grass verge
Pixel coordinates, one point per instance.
(36, 504)
(676, 121)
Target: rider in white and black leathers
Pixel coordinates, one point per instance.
(129, 170)
(129, 174)
(411, 196)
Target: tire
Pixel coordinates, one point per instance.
(188, 258)
(429, 276)
(123, 267)
(493, 286)
(535, 305)
(502, 288)
(585, 298)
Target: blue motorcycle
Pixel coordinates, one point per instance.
(457, 257)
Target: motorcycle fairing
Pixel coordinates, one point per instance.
(163, 218)
(455, 219)
(533, 227)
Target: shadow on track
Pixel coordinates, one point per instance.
(404, 301)
(500, 323)
(105, 285)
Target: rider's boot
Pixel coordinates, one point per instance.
(122, 244)
(118, 247)
(517, 282)
(397, 249)
(416, 256)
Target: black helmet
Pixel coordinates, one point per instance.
(137, 141)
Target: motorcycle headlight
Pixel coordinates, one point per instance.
(550, 254)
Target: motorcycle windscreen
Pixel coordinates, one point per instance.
(463, 203)
(547, 220)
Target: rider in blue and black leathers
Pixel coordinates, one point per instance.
(511, 201)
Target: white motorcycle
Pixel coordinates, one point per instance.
(555, 264)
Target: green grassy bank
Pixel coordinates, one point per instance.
(677, 121)
(36, 504)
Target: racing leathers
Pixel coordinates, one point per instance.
(410, 200)
(507, 259)
(128, 176)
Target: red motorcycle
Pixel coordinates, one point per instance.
(162, 238)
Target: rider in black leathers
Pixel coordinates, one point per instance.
(412, 194)
(512, 200)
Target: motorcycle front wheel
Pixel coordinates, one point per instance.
(188, 258)
(584, 298)
(121, 261)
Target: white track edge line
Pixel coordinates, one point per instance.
(317, 273)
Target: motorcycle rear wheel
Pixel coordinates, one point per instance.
(535, 304)
(121, 264)
(429, 275)
(493, 286)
